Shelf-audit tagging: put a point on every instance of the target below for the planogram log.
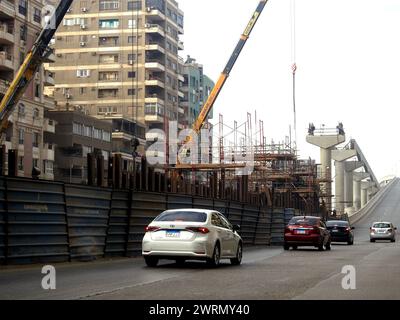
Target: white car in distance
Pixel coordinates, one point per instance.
(192, 234)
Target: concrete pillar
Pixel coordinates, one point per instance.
(326, 142)
(358, 177)
(349, 168)
(348, 189)
(364, 197)
(340, 156)
(339, 186)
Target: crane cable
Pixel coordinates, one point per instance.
(294, 66)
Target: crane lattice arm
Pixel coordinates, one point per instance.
(198, 124)
(34, 58)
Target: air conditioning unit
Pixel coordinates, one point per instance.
(68, 95)
(147, 25)
(148, 9)
(82, 44)
(130, 62)
(59, 55)
(69, 10)
(84, 9)
(83, 26)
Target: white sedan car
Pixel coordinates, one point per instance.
(187, 234)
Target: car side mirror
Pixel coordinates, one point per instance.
(395, 228)
(236, 227)
(352, 228)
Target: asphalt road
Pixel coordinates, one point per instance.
(266, 273)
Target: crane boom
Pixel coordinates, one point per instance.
(205, 110)
(34, 58)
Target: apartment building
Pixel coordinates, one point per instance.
(196, 88)
(118, 60)
(20, 24)
(76, 135)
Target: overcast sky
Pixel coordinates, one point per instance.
(347, 53)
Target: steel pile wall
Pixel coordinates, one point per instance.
(43, 221)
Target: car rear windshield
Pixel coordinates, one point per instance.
(381, 225)
(337, 223)
(185, 216)
(304, 221)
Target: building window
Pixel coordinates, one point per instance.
(23, 32)
(84, 73)
(35, 142)
(132, 39)
(37, 15)
(36, 113)
(21, 136)
(35, 163)
(109, 23)
(108, 58)
(23, 6)
(97, 133)
(108, 41)
(108, 76)
(107, 93)
(134, 5)
(21, 110)
(77, 128)
(109, 5)
(82, 90)
(21, 163)
(131, 92)
(132, 23)
(131, 57)
(37, 90)
(86, 150)
(106, 136)
(48, 166)
(87, 131)
(131, 74)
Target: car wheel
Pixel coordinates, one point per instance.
(238, 260)
(372, 240)
(393, 240)
(351, 242)
(328, 245)
(151, 261)
(294, 247)
(321, 246)
(286, 247)
(214, 260)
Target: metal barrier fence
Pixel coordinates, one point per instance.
(44, 221)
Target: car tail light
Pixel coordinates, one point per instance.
(151, 228)
(347, 229)
(389, 230)
(198, 229)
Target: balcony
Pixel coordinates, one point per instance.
(51, 58)
(154, 136)
(155, 47)
(154, 99)
(154, 111)
(181, 46)
(6, 61)
(181, 78)
(47, 152)
(155, 14)
(7, 9)
(181, 94)
(152, 81)
(49, 125)
(154, 28)
(181, 110)
(48, 79)
(3, 86)
(6, 35)
(155, 66)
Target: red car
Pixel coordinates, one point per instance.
(307, 231)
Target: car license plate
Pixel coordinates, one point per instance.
(300, 231)
(381, 231)
(173, 234)
(334, 230)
